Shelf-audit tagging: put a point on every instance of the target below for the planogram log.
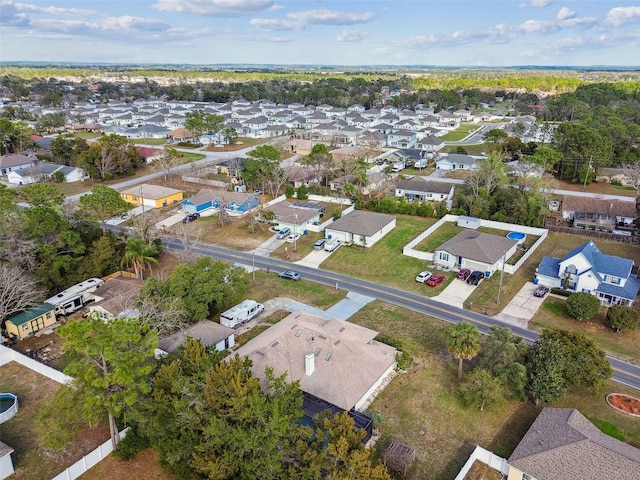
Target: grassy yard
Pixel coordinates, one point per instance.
(553, 314)
(147, 141)
(384, 262)
(599, 188)
(421, 407)
(31, 460)
(459, 133)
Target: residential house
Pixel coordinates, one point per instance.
(298, 175)
(348, 153)
(456, 161)
(360, 227)
(237, 203)
(181, 135)
(598, 213)
(45, 171)
(417, 188)
(289, 215)
(200, 202)
(562, 444)
(150, 155)
(464, 115)
(337, 361)
(27, 323)
(299, 146)
(476, 251)
(9, 163)
(613, 280)
(154, 196)
(430, 143)
(402, 139)
(116, 297)
(615, 175)
(211, 334)
(524, 169)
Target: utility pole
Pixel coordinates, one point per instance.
(584, 187)
(504, 259)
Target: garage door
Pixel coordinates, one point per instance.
(475, 266)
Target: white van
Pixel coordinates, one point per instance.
(331, 245)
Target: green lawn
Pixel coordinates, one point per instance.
(148, 141)
(459, 133)
(421, 407)
(384, 262)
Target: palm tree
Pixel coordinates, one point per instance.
(138, 254)
(463, 343)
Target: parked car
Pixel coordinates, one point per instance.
(293, 237)
(435, 280)
(257, 191)
(423, 277)
(190, 217)
(319, 245)
(283, 233)
(289, 275)
(463, 274)
(475, 277)
(540, 291)
(331, 245)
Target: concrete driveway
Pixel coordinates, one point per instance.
(314, 259)
(522, 307)
(455, 294)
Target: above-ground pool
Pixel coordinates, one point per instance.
(8, 406)
(519, 236)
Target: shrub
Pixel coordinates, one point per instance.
(289, 191)
(131, 444)
(582, 305)
(303, 192)
(561, 291)
(404, 359)
(622, 318)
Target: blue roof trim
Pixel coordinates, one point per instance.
(602, 263)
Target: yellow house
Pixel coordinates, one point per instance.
(27, 323)
(153, 196)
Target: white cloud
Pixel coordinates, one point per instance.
(330, 17)
(274, 24)
(536, 3)
(565, 14)
(10, 17)
(619, 16)
(215, 8)
(26, 7)
(421, 41)
(125, 26)
(548, 26)
(348, 35)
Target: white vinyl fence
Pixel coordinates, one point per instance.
(487, 457)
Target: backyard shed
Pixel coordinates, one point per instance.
(469, 222)
(27, 323)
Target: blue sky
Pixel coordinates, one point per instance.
(391, 32)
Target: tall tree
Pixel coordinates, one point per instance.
(262, 167)
(482, 390)
(19, 291)
(42, 194)
(546, 371)
(102, 204)
(112, 363)
(463, 342)
(200, 122)
(139, 254)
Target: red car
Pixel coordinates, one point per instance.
(463, 274)
(435, 280)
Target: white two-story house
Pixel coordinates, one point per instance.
(586, 269)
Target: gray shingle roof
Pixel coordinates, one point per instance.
(208, 332)
(563, 445)
(360, 222)
(474, 245)
(419, 184)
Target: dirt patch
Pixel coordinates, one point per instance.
(45, 348)
(31, 460)
(144, 466)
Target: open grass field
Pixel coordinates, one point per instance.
(459, 133)
(31, 460)
(422, 408)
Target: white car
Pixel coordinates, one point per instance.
(423, 277)
(292, 238)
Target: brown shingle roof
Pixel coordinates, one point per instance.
(347, 364)
(474, 245)
(359, 222)
(563, 445)
(612, 208)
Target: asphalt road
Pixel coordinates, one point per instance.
(625, 373)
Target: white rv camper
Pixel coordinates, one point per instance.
(241, 313)
(75, 297)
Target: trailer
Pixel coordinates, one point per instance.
(75, 297)
(241, 313)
